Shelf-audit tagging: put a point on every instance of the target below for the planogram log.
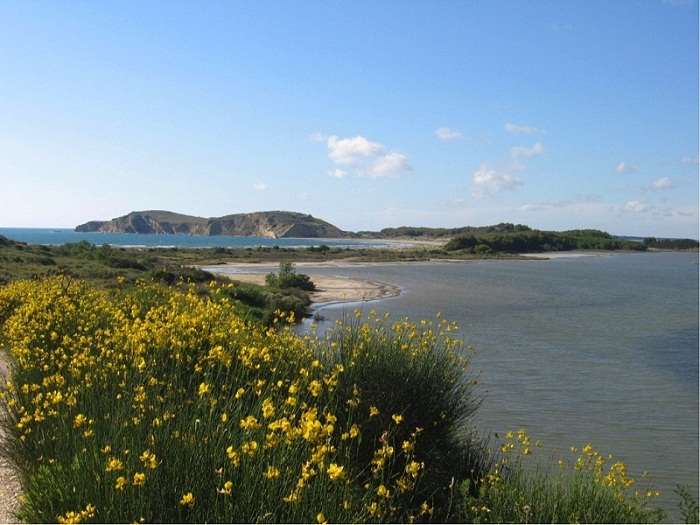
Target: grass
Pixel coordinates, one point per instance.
(158, 403)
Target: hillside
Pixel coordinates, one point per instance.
(270, 224)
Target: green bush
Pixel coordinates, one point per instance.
(587, 487)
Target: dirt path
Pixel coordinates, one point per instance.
(10, 489)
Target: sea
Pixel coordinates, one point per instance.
(58, 236)
(600, 349)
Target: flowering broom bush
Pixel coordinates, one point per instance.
(587, 487)
(158, 405)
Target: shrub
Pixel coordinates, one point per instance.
(288, 278)
(586, 488)
(156, 404)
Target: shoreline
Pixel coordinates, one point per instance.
(331, 289)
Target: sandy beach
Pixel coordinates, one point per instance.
(329, 289)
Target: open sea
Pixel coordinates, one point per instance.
(57, 236)
(576, 350)
(600, 350)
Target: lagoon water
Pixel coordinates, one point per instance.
(600, 350)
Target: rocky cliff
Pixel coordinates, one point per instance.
(271, 224)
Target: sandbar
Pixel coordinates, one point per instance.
(329, 288)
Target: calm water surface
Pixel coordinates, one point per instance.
(58, 236)
(575, 350)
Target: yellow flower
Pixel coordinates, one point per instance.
(315, 387)
(121, 483)
(373, 411)
(292, 498)
(272, 473)
(114, 464)
(383, 492)
(268, 408)
(373, 508)
(70, 517)
(250, 448)
(204, 389)
(397, 418)
(413, 468)
(228, 486)
(79, 420)
(234, 456)
(224, 417)
(321, 518)
(335, 471)
(139, 479)
(148, 459)
(187, 500)
(249, 423)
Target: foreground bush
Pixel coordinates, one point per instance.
(586, 487)
(159, 405)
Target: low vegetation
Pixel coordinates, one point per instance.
(103, 265)
(525, 241)
(149, 402)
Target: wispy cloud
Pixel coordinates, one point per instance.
(637, 207)
(487, 181)
(623, 167)
(690, 160)
(366, 157)
(662, 183)
(390, 165)
(446, 133)
(522, 151)
(260, 186)
(520, 129)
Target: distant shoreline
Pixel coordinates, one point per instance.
(341, 289)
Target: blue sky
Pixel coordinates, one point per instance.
(368, 114)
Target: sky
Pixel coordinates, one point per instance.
(367, 114)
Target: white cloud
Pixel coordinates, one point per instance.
(637, 207)
(318, 137)
(522, 151)
(390, 165)
(260, 186)
(623, 167)
(526, 130)
(663, 182)
(446, 133)
(367, 157)
(691, 160)
(488, 181)
(351, 151)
